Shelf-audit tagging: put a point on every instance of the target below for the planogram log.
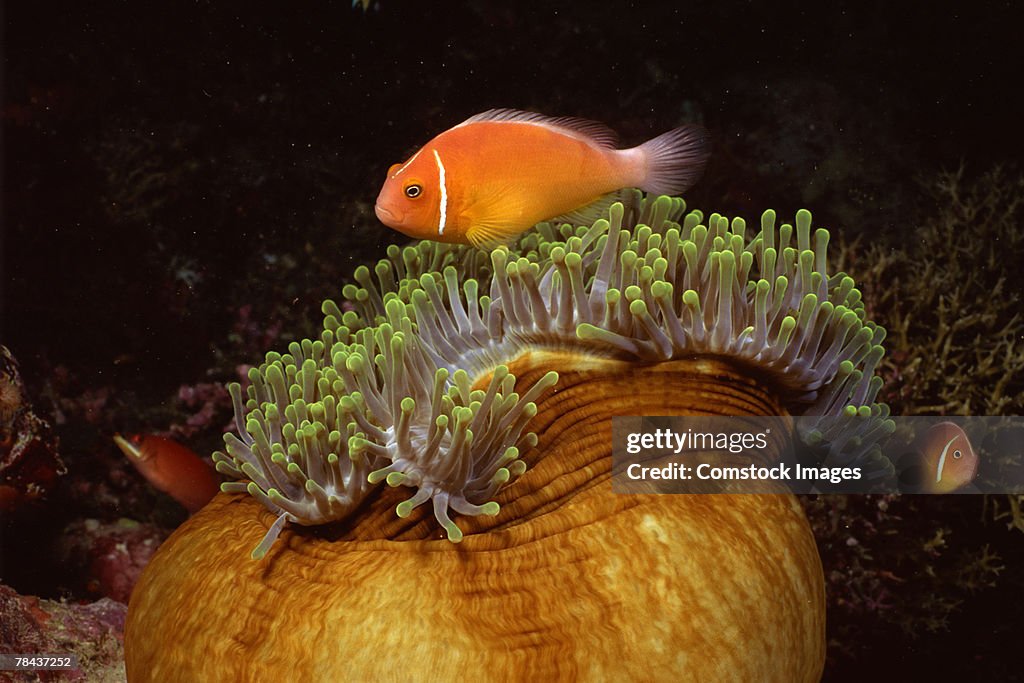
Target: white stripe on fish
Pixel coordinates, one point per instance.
(444, 194)
(406, 164)
(942, 460)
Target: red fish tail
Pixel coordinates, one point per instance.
(675, 160)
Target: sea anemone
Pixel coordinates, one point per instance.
(487, 384)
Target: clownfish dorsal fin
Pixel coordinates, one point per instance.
(589, 213)
(598, 133)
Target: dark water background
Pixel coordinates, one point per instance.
(167, 164)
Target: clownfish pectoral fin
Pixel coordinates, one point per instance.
(589, 213)
(490, 237)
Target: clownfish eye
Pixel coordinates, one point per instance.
(957, 454)
(413, 191)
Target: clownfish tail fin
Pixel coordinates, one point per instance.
(674, 161)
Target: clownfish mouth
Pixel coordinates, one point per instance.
(386, 216)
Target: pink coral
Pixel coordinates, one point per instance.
(109, 556)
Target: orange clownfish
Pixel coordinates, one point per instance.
(500, 172)
(943, 460)
(172, 468)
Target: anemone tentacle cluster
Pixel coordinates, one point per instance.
(387, 392)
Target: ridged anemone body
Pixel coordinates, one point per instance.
(485, 384)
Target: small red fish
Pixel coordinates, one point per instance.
(943, 460)
(172, 468)
(500, 172)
